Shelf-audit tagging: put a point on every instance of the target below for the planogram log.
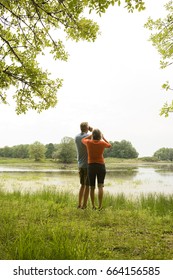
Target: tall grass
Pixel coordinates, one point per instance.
(47, 225)
(158, 204)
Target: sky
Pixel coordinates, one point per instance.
(113, 83)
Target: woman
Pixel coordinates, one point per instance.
(96, 144)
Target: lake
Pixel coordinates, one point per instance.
(130, 180)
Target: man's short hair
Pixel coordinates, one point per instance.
(84, 126)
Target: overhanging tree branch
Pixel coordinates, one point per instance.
(162, 39)
(26, 30)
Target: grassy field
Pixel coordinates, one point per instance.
(111, 163)
(47, 225)
(30, 163)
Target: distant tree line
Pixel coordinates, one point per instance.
(64, 152)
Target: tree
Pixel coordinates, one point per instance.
(67, 150)
(20, 151)
(171, 154)
(6, 152)
(37, 151)
(127, 150)
(27, 29)
(162, 39)
(164, 154)
(55, 155)
(123, 149)
(50, 148)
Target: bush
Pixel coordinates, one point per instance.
(149, 159)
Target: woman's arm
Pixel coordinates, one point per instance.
(106, 140)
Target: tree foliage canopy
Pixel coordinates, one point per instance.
(27, 28)
(162, 39)
(164, 154)
(37, 151)
(67, 150)
(122, 149)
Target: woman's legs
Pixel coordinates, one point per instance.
(92, 179)
(92, 196)
(101, 177)
(100, 195)
(98, 170)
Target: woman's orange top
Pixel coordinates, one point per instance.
(95, 149)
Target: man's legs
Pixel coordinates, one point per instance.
(85, 196)
(84, 188)
(81, 192)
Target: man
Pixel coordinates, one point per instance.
(82, 158)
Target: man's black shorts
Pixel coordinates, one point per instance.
(83, 175)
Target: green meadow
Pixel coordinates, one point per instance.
(46, 225)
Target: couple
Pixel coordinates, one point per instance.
(90, 148)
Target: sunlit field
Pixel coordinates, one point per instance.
(40, 220)
(47, 225)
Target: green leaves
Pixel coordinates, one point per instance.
(166, 86)
(166, 109)
(37, 151)
(102, 5)
(86, 29)
(162, 40)
(27, 28)
(24, 34)
(67, 150)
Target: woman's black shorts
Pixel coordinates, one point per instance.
(96, 170)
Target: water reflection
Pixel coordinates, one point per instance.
(126, 173)
(146, 180)
(164, 169)
(132, 181)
